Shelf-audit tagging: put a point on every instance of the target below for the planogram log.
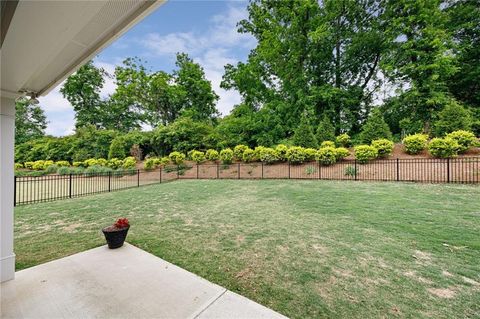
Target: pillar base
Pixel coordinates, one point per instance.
(7, 268)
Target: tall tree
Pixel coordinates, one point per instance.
(200, 99)
(420, 56)
(163, 97)
(82, 90)
(30, 121)
(315, 56)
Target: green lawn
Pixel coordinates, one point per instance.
(303, 248)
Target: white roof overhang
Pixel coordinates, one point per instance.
(46, 41)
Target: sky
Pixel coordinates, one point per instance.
(206, 30)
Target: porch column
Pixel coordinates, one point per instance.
(7, 137)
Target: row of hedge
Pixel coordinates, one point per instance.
(47, 165)
(451, 145)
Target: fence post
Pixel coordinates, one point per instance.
(262, 170)
(238, 170)
(138, 178)
(160, 174)
(448, 170)
(355, 169)
(178, 171)
(398, 169)
(70, 187)
(197, 170)
(218, 173)
(109, 181)
(288, 170)
(14, 191)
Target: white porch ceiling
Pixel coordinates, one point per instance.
(48, 40)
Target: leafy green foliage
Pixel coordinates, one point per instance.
(238, 151)
(325, 130)
(327, 144)
(443, 147)
(226, 156)
(129, 162)
(177, 158)
(18, 166)
(212, 155)
(415, 143)
(343, 140)
(198, 157)
(303, 135)
(326, 155)
(375, 128)
(365, 153)
(464, 139)
(282, 152)
(296, 155)
(268, 155)
(30, 121)
(384, 147)
(341, 153)
(453, 117)
(249, 155)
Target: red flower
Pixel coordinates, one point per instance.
(121, 223)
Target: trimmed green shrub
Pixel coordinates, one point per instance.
(325, 130)
(365, 153)
(90, 162)
(238, 151)
(51, 169)
(97, 169)
(453, 117)
(77, 170)
(326, 155)
(310, 154)
(327, 144)
(78, 164)
(198, 157)
(48, 163)
(249, 155)
(303, 135)
(129, 163)
(282, 151)
(443, 147)
(117, 148)
(62, 164)
(296, 155)
(268, 155)
(28, 165)
(102, 162)
(164, 161)
(212, 155)
(114, 163)
(150, 163)
(177, 158)
(343, 140)
(341, 153)
(465, 139)
(383, 146)
(63, 170)
(38, 165)
(375, 128)
(415, 143)
(18, 166)
(226, 156)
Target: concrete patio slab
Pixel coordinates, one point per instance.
(122, 283)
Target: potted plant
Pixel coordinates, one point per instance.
(116, 233)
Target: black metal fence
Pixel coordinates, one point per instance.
(52, 187)
(452, 170)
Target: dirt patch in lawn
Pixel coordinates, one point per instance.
(446, 293)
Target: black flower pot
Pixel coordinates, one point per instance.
(115, 237)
